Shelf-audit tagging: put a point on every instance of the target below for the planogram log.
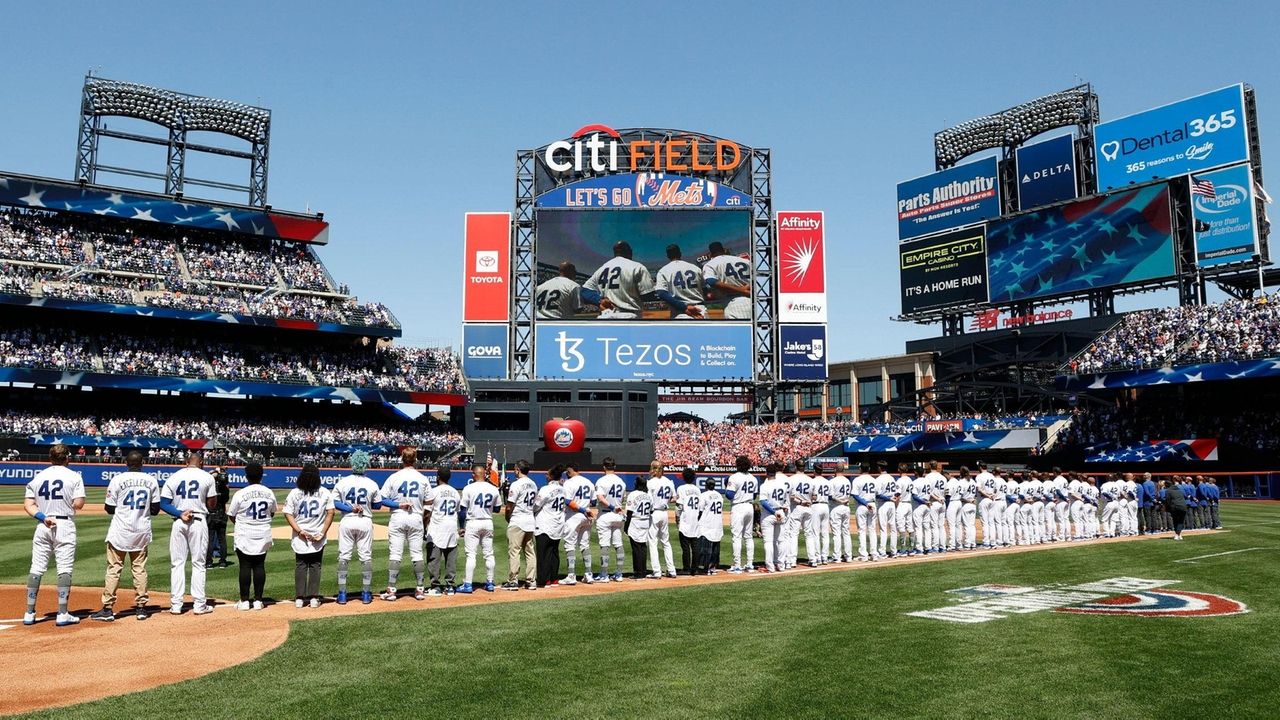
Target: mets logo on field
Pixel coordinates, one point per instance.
(1134, 597)
(563, 437)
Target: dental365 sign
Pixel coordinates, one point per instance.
(1195, 134)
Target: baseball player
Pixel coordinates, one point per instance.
(688, 513)
(741, 490)
(710, 528)
(561, 298)
(730, 276)
(132, 498)
(775, 499)
(403, 490)
(578, 518)
(955, 540)
(864, 493)
(639, 518)
(519, 513)
(1075, 507)
(680, 286)
(1107, 496)
(919, 490)
(938, 485)
(903, 509)
(356, 496)
(801, 518)
(887, 496)
(480, 500)
(1032, 491)
(611, 491)
(1061, 506)
(621, 283)
(52, 498)
(251, 509)
(821, 520)
(662, 491)
(188, 495)
(549, 505)
(1001, 532)
(967, 489)
(841, 539)
(986, 481)
(441, 505)
(1129, 505)
(309, 511)
(1090, 497)
(1012, 511)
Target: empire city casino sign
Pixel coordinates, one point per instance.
(600, 149)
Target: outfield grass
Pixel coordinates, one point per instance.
(821, 645)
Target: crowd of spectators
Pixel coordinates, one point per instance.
(299, 268)
(694, 443)
(1221, 332)
(45, 349)
(1257, 428)
(39, 237)
(145, 355)
(229, 262)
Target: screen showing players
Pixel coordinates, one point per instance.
(643, 265)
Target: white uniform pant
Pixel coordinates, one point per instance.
(818, 526)
(188, 539)
(938, 511)
(1038, 522)
(1075, 511)
(801, 520)
(479, 534)
(866, 531)
(1062, 514)
(903, 508)
(775, 547)
(609, 533)
(887, 516)
(741, 521)
(1110, 518)
(404, 529)
(1132, 507)
(660, 539)
(355, 532)
(59, 543)
(1021, 517)
(955, 538)
(968, 517)
(841, 539)
(988, 529)
(577, 537)
(923, 526)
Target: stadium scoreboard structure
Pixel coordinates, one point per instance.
(1167, 197)
(647, 255)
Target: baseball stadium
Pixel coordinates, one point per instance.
(664, 447)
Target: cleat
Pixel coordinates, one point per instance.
(510, 586)
(342, 597)
(299, 603)
(434, 592)
(488, 587)
(654, 576)
(140, 614)
(751, 570)
(466, 589)
(366, 597)
(103, 615)
(450, 590)
(242, 605)
(175, 609)
(571, 580)
(419, 593)
(589, 579)
(65, 619)
(671, 574)
(389, 595)
(315, 602)
(616, 577)
(257, 605)
(202, 609)
(30, 618)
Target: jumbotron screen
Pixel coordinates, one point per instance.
(643, 265)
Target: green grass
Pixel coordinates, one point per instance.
(821, 645)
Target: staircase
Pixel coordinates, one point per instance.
(182, 265)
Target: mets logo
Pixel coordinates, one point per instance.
(1161, 603)
(563, 437)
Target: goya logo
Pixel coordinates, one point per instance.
(1161, 603)
(563, 437)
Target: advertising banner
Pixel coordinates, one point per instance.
(1046, 172)
(944, 270)
(484, 351)
(802, 267)
(1116, 239)
(648, 351)
(1222, 206)
(1188, 136)
(802, 352)
(961, 195)
(643, 190)
(486, 268)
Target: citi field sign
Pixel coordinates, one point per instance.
(601, 149)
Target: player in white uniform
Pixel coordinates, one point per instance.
(903, 508)
(1130, 505)
(1075, 507)
(404, 489)
(775, 500)
(639, 518)
(559, 298)
(578, 518)
(480, 500)
(680, 286)
(821, 509)
(688, 512)
(1007, 487)
(442, 505)
(356, 496)
(801, 519)
(741, 490)
(864, 493)
(621, 284)
(132, 498)
(309, 511)
(188, 495)
(1000, 529)
(1090, 497)
(520, 526)
(887, 496)
(919, 490)
(1033, 507)
(729, 276)
(662, 491)
(611, 491)
(52, 497)
(967, 517)
(1107, 495)
(938, 484)
(251, 509)
(841, 538)
(710, 527)
(1061, 506)
(986, 483)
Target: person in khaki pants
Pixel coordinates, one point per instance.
(133, 497)
(520, 525)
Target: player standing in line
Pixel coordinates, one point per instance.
(801, 518)
(403, 490)
(356, 496)
(251, 509)
(549, 526)
(821, 509)
(938, 504)
(309, 511)
(680, 286)
(188, 495)
(560, 298)
(1032, 507)
(1015, 522)
(955, 540)
(967, 490)
(1061, 506)
(132, 498)
(611, 492)
(1108, 493)
(887, 496)
(864, 493)
(661, 491)
(921, 515)
(688, 512)
(986, 498)
(578, 518)
(1075, 507)
(1130, 518)
(729, 275)
(710, 528)
(441, 505)
(480, 501)
(741, 490)
(519, 513)
(841, 539)
(639, 517)
(52, 498)
(775, 497)
(621, 283)
(903, 508)
(1001, 532)
(1090, 492)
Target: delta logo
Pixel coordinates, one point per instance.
(598, 148)
(1127, 596)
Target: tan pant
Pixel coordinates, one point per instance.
(115, 562)
(520, 542)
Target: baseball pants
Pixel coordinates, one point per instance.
(660, 543)
(903, 508)
(1109, 518)
(992, 524)
(1075, 511)
(355, 534)
(955, 538)
(520, 544)
(969, 524)
(866, 531)
(741, 520)
(923, 527)
(59, 544)
(984, 512)
(939, 513)
(578, 538)
(1062, 517)
(802, 521)
(115, 563)
(819, 523)
(887, 517)
(188, 539)
(609, 534)
(774, 545)
(479, 535)
(841, 538)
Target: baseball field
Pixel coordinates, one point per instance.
(1011, 633)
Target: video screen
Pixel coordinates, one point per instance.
(643, 265)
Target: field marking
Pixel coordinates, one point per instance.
(1193, 560)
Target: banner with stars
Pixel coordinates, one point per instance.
(1201, 450)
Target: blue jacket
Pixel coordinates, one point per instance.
(1147, 498)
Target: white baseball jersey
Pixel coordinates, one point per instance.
(688, 506)
(1089, 493)
(986, 483)
(551, 502)
(968, 489)
(1109, 490)
(443, 501)
(864, 487)
(189, 489)
(840, 488)
(521, 495)
(662, 491)
(682, 279)
(821, 490)
(776, 492)
(801, 490)
(920, 488)
(1032, 490)
(1012, 489)
(887, 487)
(358, 490)
(938, 484)
(729, 268)
(744, 487)
(579, 491)
(252, 507)
(54, 489)
(481, 500)
(622, 281)
(405, 485)
(613, 489)
(951, 488)
(1130, 488)
(711, 525)
(557, 299)
(132, 494)
(1058, 488)
(309, 512)
(640, 505)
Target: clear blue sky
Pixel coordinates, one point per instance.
(395, 119)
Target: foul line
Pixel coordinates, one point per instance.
(1229, 552)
